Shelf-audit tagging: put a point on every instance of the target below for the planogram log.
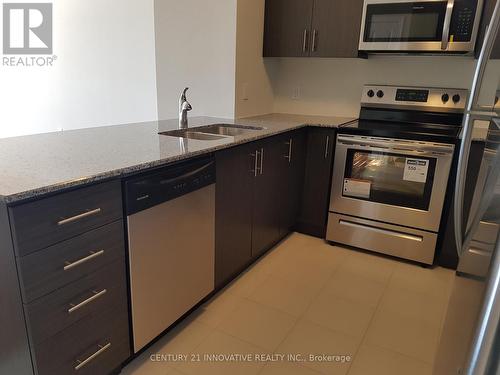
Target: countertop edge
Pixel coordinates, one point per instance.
(25, 196)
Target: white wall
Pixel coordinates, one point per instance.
(104, 73)
(333, 86)
(196, 48)
(254, 93)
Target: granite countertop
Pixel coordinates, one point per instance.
(36, 165)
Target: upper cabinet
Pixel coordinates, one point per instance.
(287, 28)
(335, 28)
(317, 28)
(489, 6)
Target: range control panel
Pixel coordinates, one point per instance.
(448, 100)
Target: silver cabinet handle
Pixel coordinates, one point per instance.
(79, 217)
(262, 161)
(290, 145)
(95, 295)
(446, 25)
(304, 42)
(93, 254)
(255, 170)
(315, 34)
(327, 146)
(101, 349)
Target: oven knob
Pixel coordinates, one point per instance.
(456, 98)
(445, 98)
(370, 93)
(380, 93)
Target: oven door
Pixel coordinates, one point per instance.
(396, 25)
(392, 181)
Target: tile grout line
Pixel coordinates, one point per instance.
(299, 318)
(362, 340)
(383, 347)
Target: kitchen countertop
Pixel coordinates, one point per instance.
(35, 165)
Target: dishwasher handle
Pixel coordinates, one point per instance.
(187, 175)
(168, 183)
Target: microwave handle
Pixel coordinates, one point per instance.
(446, 25)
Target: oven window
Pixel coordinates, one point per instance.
(405, 22)
(399, 180)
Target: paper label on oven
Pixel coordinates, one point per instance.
(357, 188)
(416, 170)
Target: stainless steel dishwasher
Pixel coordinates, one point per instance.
(171, 234)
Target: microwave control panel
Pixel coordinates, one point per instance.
(462, 20)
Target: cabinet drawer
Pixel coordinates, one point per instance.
(38, 224)
(95, 345)
(96, 292)
(54, 267)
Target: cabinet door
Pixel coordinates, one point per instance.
(292, 172)
(488, 7)
(317, 181)
(287, 28)
(266, 204)
(233, 216)
(336, 27)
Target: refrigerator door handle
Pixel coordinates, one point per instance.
(468, 126)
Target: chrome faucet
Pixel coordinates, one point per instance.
(184, 108)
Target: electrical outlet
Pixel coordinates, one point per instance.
(296, 93)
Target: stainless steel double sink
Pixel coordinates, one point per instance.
(212, 132)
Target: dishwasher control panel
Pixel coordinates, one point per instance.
(168, 183)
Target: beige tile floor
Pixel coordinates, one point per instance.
(305, 298)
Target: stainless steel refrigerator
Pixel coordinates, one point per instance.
(470, 339)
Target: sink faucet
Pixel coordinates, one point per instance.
(184, 108)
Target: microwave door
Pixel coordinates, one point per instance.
(403, 26)
(426, 26)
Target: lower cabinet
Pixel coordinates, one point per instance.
(73, 283)
(294, 147)
(313, 214)
(233, 211)
(257, 195)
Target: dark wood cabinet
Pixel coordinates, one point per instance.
(267, 190)
(233, 215)
(257, 198)
(287, 28)
(488, 7)
(292, 167)
(335, 28)
(317, 181)
(71, 281)
(41, 223)
(316, 28)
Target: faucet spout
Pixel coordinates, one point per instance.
(184, 108)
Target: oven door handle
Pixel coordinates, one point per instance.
(446, 25)
(395, 146)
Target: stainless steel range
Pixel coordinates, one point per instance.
(392, 168)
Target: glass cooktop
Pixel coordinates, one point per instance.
(415, 131)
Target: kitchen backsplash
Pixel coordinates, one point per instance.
(333, 86)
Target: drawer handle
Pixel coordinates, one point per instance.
(388, 232)
(290, 145)
(101, 350)
(327, 146)
(79, 217)
(95, 296)
(93, 254)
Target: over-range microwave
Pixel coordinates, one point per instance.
(428, 26)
